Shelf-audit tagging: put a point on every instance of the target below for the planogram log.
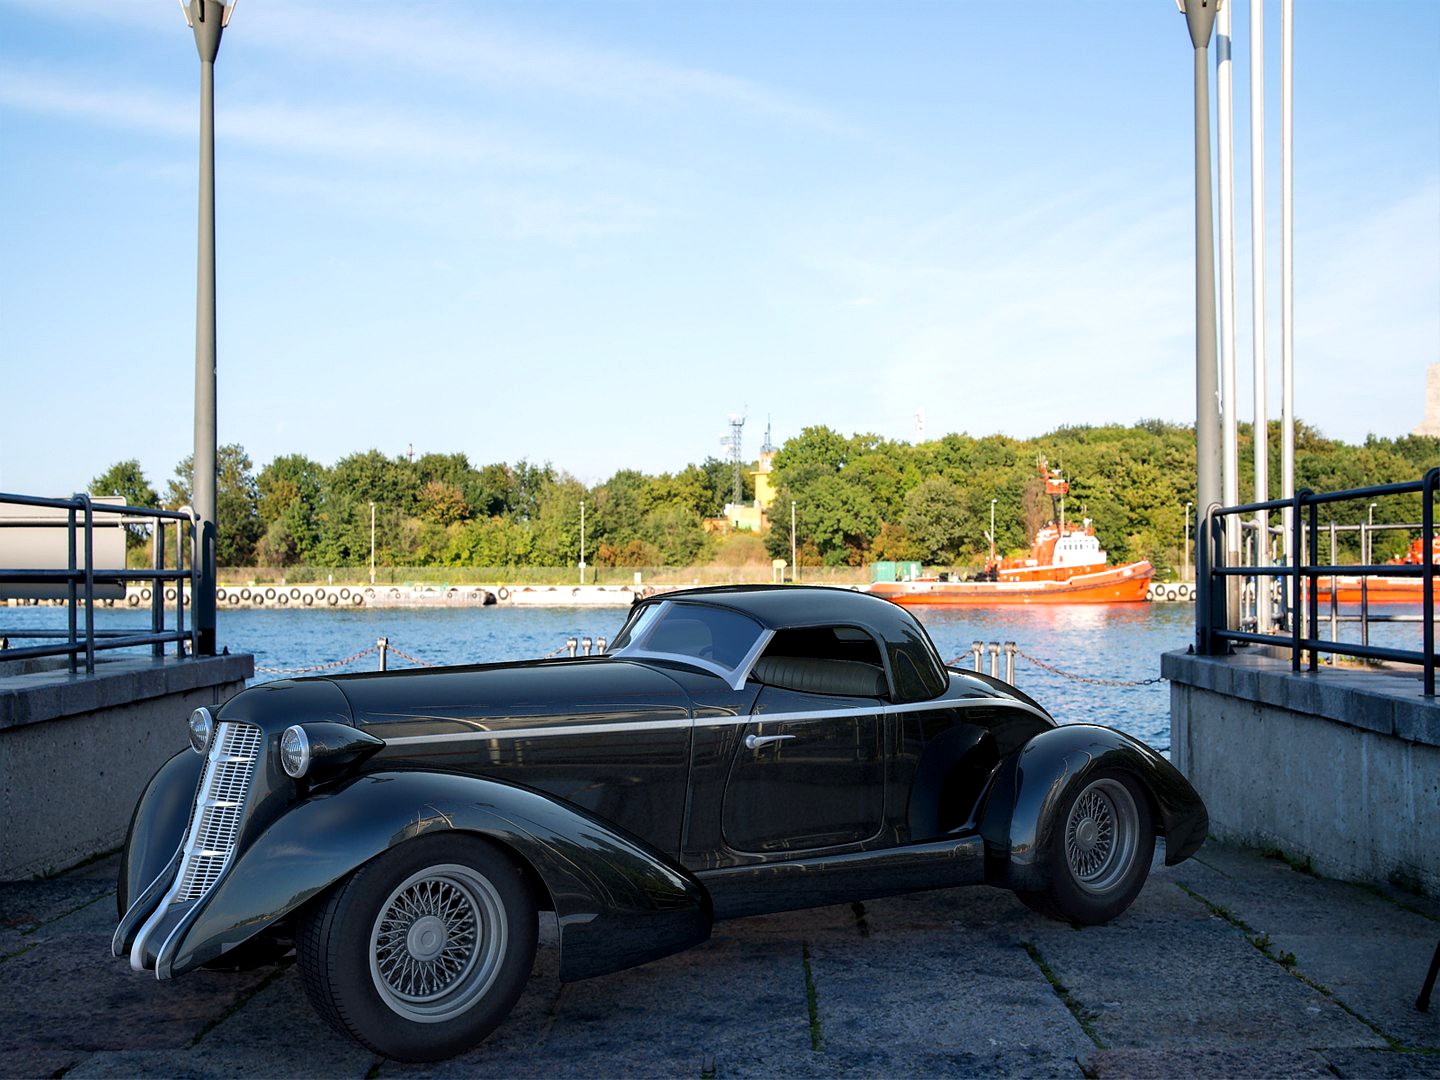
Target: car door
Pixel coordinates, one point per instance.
(808, 773)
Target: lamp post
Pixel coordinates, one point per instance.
(207, 18)
(1185, 573)
(372, 542)
(794, 564)
(582, 541)
(992, 531)
(1200, 19)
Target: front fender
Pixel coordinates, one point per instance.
(618, 902)
(158, 825)
(1022, 806)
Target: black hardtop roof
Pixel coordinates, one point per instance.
(778, 607)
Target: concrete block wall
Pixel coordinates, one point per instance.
(76, 750)
(1340, 767)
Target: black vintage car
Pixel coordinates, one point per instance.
(740, 750)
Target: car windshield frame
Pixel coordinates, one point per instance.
(636, 648)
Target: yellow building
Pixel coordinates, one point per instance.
(751, 517)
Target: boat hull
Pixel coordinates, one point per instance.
(1118, 585)
(1380, 590)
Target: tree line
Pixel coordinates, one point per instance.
(857, 499)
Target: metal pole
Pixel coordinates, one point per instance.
(1287, 258)
(582, 547)
(1185, 574)
(372, 543)
(384, 646)
(1229, 400)
(73, 589)
(1257, 302)
(992, 532)
(794, 565)
(1200, 18)
(976, 649)
(1010, 662)
(207, 19)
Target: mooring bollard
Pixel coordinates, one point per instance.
(600, 644)
(383, 645)
(1010, 662)
(976, 648)
(571, 643)
(585, 644)
(994, 659)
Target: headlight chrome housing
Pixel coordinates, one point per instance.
(201, 726)
(295, 751)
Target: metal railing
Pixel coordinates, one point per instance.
(1301, 600)
(79, 578)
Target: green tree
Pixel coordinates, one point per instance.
(935, 520)
(291, 489)
(236, 503)
(127, 479)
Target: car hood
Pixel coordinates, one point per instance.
(498, 697)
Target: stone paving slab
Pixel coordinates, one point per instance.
(1363, 948)
(964, 983)
(1170, 974)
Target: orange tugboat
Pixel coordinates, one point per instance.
(1383, 590)
(1066, 565)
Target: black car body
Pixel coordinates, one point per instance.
(740, 750)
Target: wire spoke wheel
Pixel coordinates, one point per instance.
(438, 942)
(1102, 836)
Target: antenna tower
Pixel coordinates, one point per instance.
(735, 443)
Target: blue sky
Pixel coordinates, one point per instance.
(588, 232)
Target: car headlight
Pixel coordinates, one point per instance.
(295, 751)
(202, 730)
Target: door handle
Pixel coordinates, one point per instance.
(754, 742)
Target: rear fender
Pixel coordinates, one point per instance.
(1019, 820)
(618, 902)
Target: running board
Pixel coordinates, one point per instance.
(840, 879)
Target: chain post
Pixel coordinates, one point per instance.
(384, 646)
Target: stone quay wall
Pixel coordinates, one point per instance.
(1339, 768)
(77, 750)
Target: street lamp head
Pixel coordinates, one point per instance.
(207, 18)
(1200, 14)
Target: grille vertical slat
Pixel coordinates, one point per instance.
(220, 802)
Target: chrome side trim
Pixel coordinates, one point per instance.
(142, 902)
(705, 722)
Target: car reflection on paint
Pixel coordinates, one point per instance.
(740, 750)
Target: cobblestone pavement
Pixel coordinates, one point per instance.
(1231, 964)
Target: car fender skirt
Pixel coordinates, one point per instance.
(1022, 804)
(618, 902)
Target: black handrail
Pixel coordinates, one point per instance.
(80, 581)
(1213, 632)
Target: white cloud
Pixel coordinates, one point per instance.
(355, 131)
(451, 43)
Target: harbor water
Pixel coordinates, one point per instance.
(1113, 643)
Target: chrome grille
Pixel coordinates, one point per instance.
(215, 819)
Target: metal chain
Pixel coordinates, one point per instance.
(1092, 680)
(413, 659)
(318, 667)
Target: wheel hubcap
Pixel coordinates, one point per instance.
(1101, 836)
(437, 943)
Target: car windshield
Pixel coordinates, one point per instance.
(719, 639)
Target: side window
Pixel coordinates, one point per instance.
(831, 660)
